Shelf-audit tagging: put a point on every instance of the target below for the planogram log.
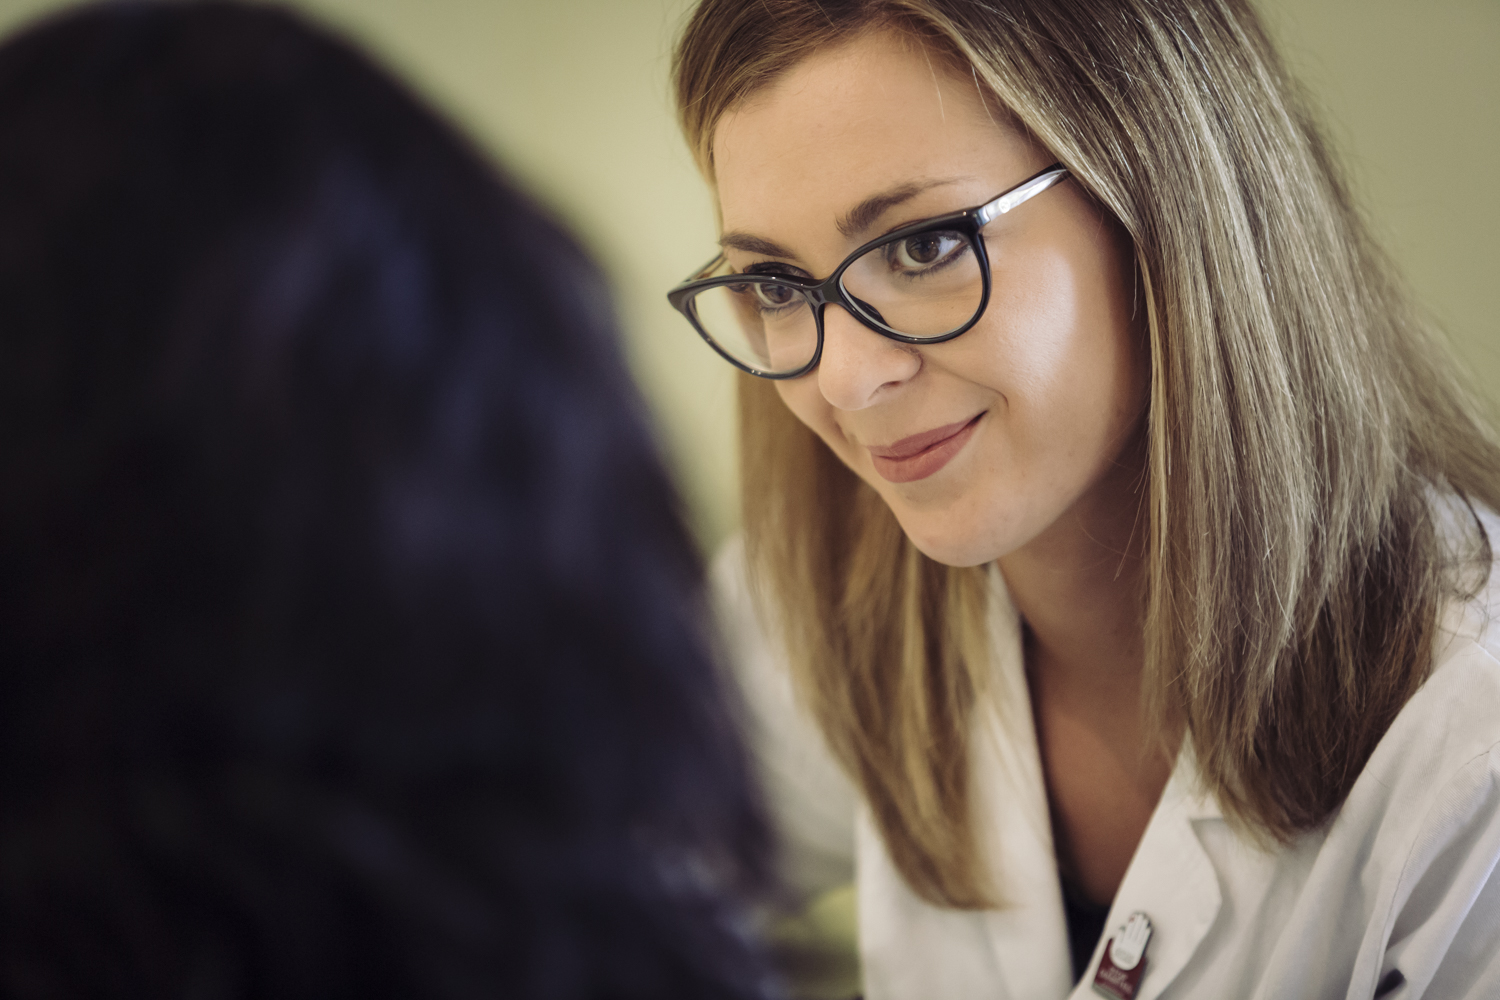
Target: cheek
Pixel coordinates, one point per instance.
(1072, 354)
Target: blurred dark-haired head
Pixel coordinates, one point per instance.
(350, 637)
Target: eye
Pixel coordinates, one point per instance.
(926, 250)
(773, 296)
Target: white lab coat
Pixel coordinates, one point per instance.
(1400, 886)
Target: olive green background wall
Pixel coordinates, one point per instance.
(572, 96)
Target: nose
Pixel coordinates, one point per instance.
(858, 365)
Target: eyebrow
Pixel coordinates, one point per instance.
(851, 224)
(863, 215)
(736, 240)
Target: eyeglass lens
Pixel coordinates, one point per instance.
(924, 286)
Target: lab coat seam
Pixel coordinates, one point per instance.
(1482, 649)
(1473, 646)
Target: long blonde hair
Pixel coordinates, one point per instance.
(1301, 419)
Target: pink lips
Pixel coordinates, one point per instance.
(920, 455)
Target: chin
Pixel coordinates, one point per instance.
(957, 549)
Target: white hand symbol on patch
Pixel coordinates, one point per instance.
(1130, 943)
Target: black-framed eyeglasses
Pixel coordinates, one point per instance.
(921, 284)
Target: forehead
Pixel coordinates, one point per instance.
(861, 118)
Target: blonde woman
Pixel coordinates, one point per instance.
(1111, 519)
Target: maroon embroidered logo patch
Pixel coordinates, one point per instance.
(1124, 960)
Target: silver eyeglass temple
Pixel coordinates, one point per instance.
(1020, 194)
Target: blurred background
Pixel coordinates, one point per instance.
(571, 95)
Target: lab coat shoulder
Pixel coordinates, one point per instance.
(1398, 895)
(811, 801)
(1434, 783)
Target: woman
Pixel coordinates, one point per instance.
(1125, 531)
(349, 629)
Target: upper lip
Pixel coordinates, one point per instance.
(909, 447)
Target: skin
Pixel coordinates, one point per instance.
(1050, 482)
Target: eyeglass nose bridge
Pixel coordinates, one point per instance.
(832, 292)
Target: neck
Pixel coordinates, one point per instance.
(1079, 588)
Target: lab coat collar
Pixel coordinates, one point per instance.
(1171, 878)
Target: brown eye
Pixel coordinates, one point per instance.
(921, 252)
(924, 249)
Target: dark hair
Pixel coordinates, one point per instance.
(352, 641)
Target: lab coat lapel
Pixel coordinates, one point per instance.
(1171, 880)
(1028, 932)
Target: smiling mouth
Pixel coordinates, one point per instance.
(921, 455)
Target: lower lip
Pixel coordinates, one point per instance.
(926, 462)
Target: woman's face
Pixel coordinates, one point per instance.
(982, 444)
